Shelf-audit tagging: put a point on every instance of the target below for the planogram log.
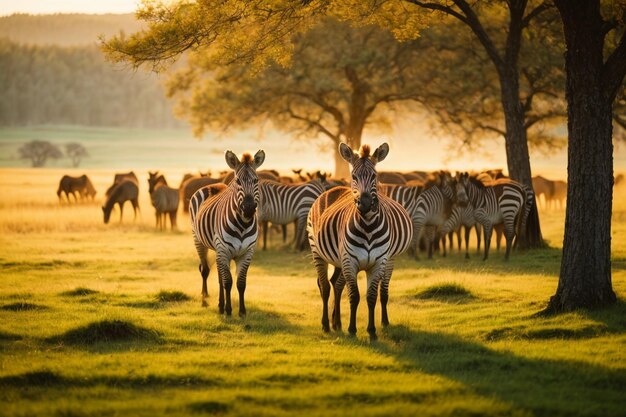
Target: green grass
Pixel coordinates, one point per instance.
(98, 321)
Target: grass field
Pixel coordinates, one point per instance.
(102, 320)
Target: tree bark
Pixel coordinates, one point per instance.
(517, 154)
(585, 276)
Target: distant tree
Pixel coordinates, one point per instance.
(38, 151)
(76, 152)
(341, 79)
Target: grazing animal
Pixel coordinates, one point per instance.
(126, 190)
(226, 223)
(72, 185)
(560, 194)
(286, 203)
(545, 187)
(501, 201)
(189, 187)
(164, 200)
(433, 208)
(387, 177)
(130, 176)
(357, 229)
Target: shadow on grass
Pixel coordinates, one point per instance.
(529, 262)
(264, 322)
(47, 378)
(537, 386)
(23, 306)
(79, 292)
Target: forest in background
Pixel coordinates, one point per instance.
(53, 72)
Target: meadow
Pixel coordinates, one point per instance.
(102, 320)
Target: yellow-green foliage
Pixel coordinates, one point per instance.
(94, 321)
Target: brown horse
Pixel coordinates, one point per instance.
(164, 199)
(72, 185)
(126, 190)
(130, 176)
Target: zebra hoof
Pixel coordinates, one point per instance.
(325, 328)
(373, 336)
(242, 314)
(204, 303)
(467, 256)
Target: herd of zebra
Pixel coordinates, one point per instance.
(357, 225)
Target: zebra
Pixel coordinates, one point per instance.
(286, 203)
(224, 219)
(500, 201)
(433, 207)
(357, 228)
(462, 215)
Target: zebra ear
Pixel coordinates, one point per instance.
(232, 160)
(346, 152)
(380, 153)
(259, 157)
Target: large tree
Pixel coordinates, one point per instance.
(594, 77)
(341, 79)
(39, 151)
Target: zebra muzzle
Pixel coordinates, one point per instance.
(364, 203)
(248, 206)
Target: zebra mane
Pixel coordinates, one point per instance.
(246, 158)
(365, 151)
(478, 183)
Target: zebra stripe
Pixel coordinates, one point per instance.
(433, 208)
(224, 220)
(502, 201)
(356, 229)
(286, 203)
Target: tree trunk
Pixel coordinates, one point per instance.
(585, 277)
(517, 155)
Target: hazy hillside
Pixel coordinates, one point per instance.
(64, 29)
(52, 72)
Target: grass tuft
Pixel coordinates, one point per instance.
(107, 331)
(445, 291)
(79, 292)
(166, 296)
(209, 407)
(22, 306)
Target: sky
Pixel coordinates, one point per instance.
(8, 7)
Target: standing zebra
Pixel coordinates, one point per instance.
(500, 201)
(224, 220)
(462, 215)
(286, 203)
(433, 208)
(357, 229)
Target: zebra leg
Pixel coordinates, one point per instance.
(509, 235)
(498, 228)
(264, 226)
(478, 227)
(226, 282)
(458, 239)
(488, 228)
(324, 286)
(384, 293)
(135, 204)
(242, 272)
(300, 230)
(338, 282)
(374, 276)
(349, 275)
(467, 238)
(430, 240)
(203, 267)
(284, 227)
